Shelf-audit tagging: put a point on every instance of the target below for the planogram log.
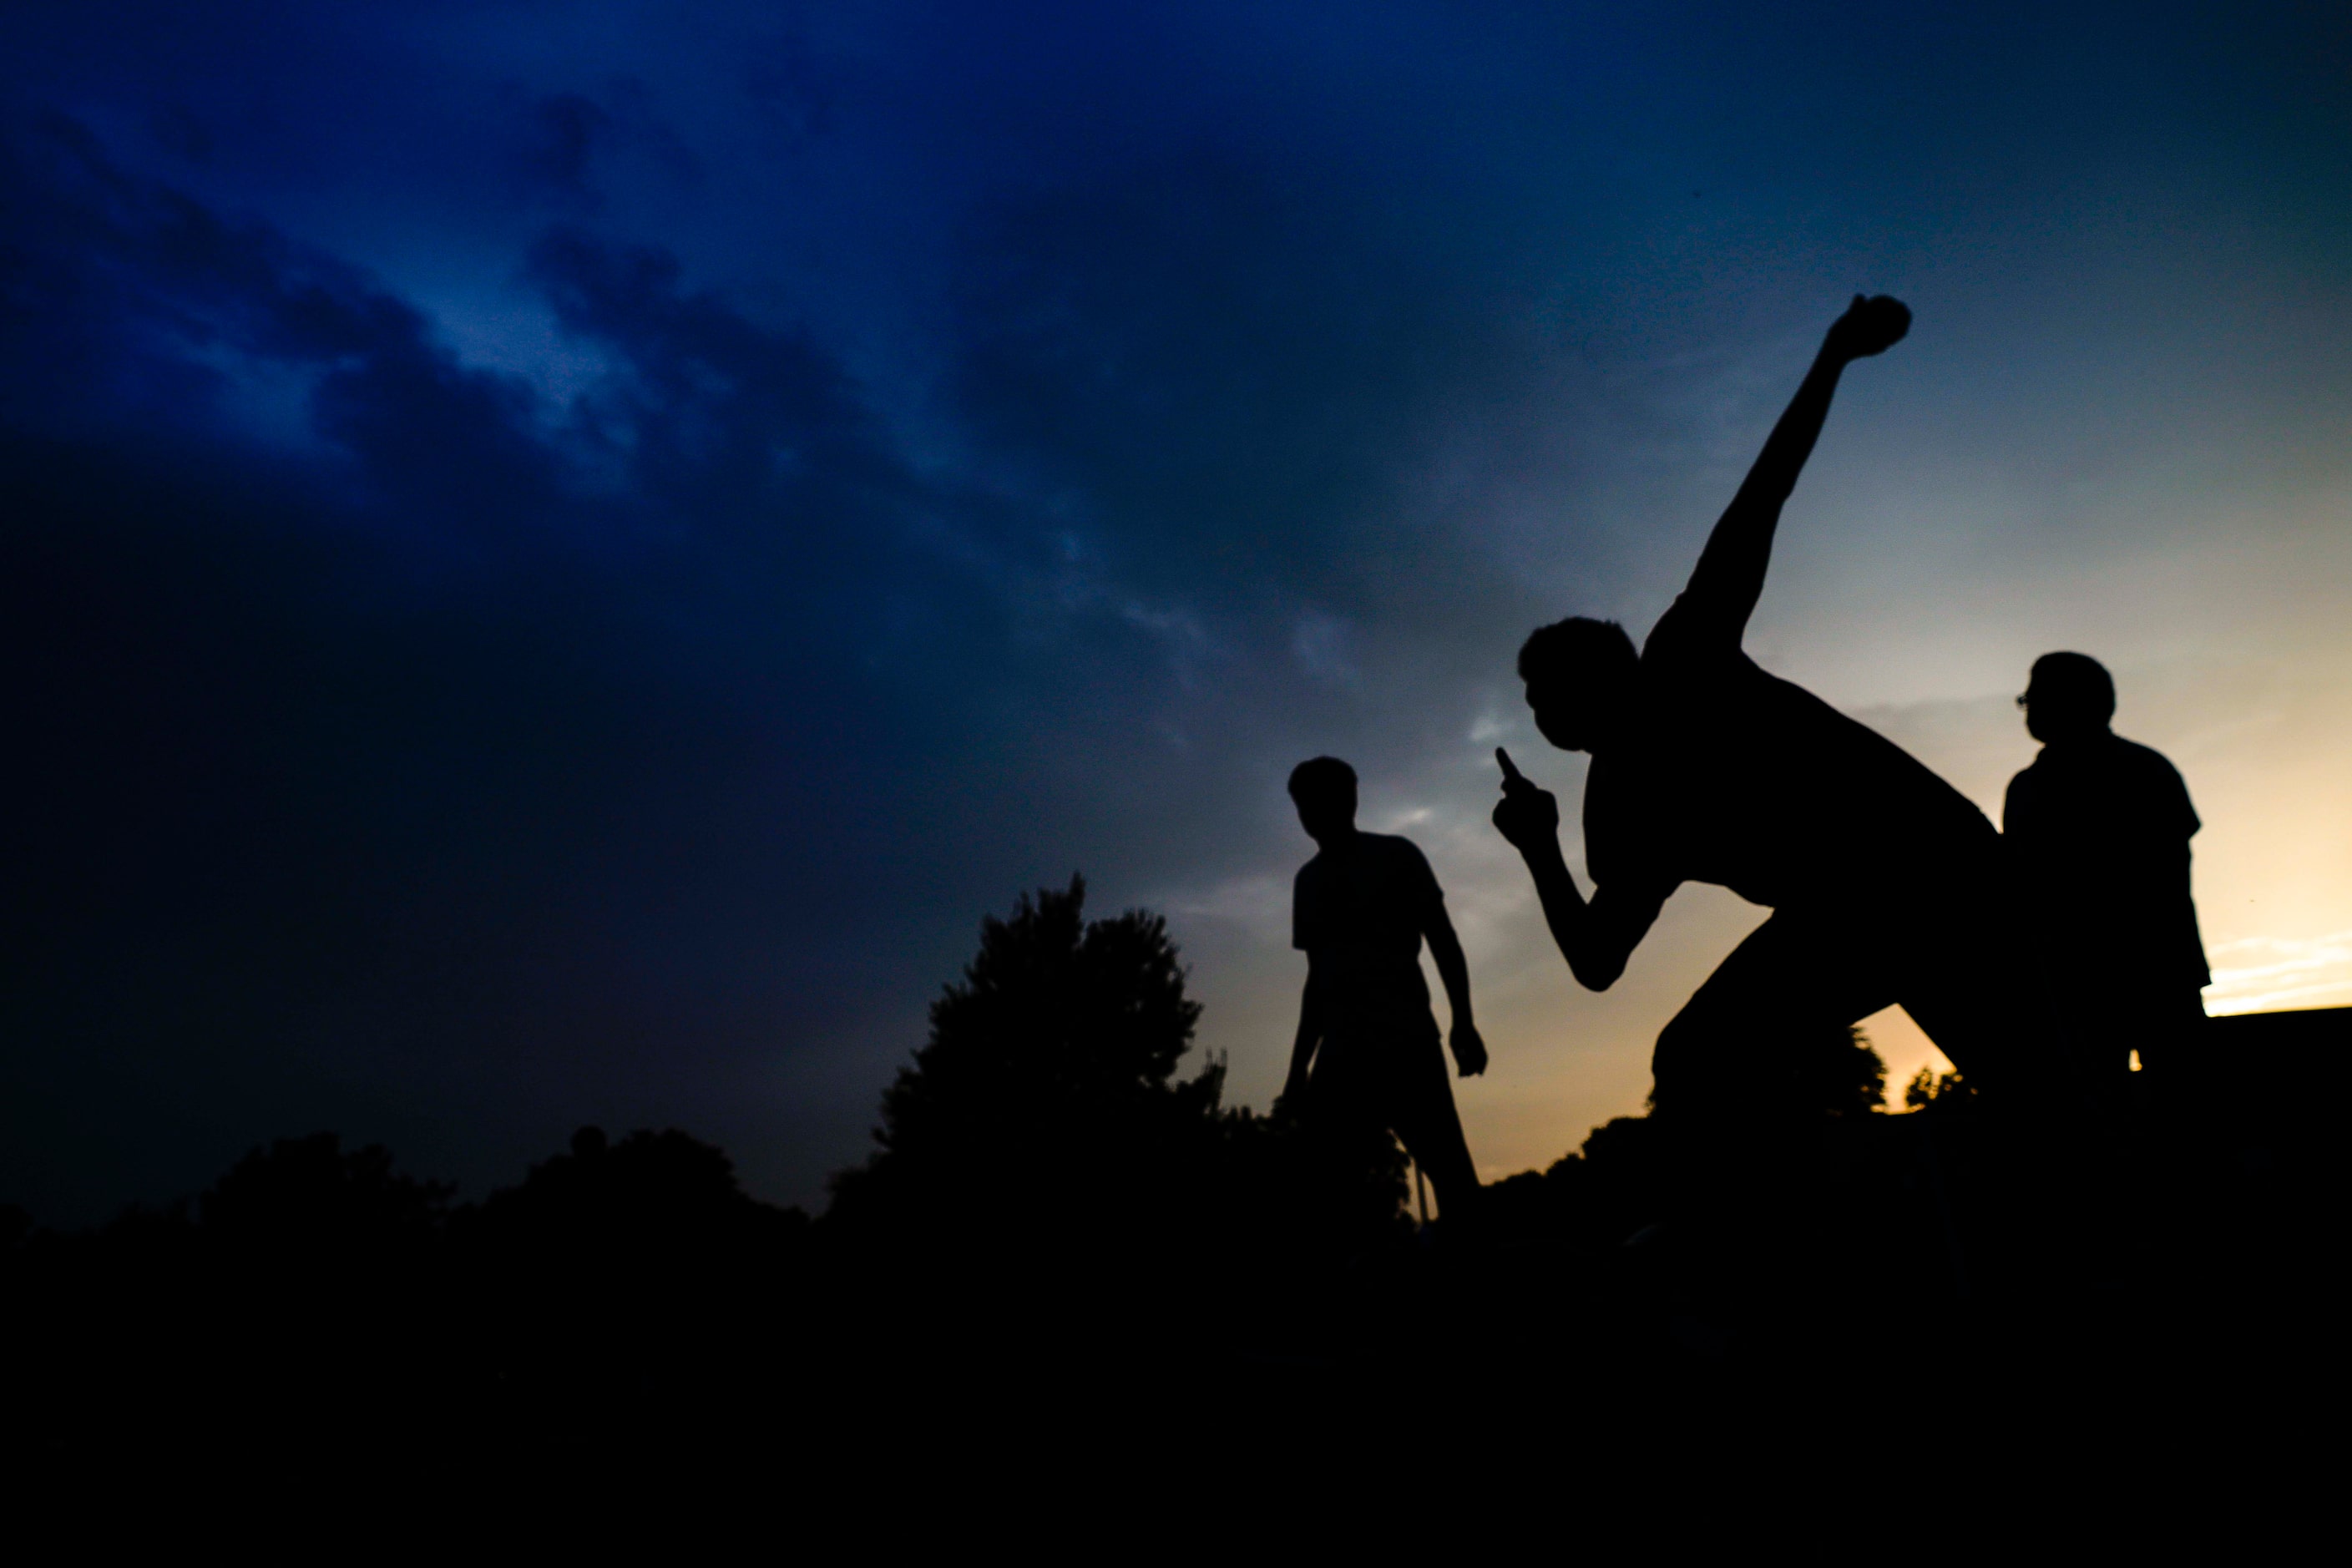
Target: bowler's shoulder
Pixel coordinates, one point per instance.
(1692, 641)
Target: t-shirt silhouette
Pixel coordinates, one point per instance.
(1359, 911)
(2099, 828)
(1736, 777)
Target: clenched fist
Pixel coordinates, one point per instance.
(1869, 327)
(1526, 815)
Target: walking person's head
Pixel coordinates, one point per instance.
(1579, 676)
(1324, 790)
(2068, 696)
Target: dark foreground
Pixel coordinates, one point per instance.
(1908, 1283)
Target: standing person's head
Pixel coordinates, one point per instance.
(2068, 697)
(1324, 789)
(1579, 676)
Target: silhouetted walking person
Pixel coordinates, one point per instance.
(1882, 878)
(2098, 830)
(1360, 909)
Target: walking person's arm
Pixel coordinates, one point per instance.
(1310, 1035)
(1729, 577)
(1446, 948)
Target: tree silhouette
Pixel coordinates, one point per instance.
(629, 1264)
(1046, 1096)
(1927, 1087)
(1842, 1074)
(652, 1195)
(1801, 1073)
(310, 1199)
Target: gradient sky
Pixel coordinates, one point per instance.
(557, 558)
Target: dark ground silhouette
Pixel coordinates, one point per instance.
(1067, 1253)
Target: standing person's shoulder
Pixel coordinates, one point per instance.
(2146, 760)
(2156, 780)
(1306, 903)
(1406, 862)
(2020, 793)
(2027, 783)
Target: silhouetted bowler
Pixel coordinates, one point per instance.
(1360, 909)
(2098, 829)
(1882, 878)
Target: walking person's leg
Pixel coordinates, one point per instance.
(1422, 1111)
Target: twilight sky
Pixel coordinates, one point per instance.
(556, 559)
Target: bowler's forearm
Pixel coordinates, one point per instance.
(1729, 577)
(1563, 905)
(1571, 919)
(1774, 474)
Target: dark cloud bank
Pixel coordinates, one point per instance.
(406, 751)
(403, 752)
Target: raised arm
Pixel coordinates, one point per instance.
(1729, 576)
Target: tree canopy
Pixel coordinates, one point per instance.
(1047, 1091)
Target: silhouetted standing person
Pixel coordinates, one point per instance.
(1882, 878)
(1367, 1054)
(2098, 830)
